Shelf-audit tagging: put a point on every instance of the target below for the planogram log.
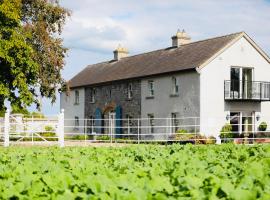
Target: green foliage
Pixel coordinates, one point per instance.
(182, 131)
(31, 52)
(49, 128)
(20, 111)
(226, 131)
(136, 172)
(103, 137)
(37, 115)
(263, 126)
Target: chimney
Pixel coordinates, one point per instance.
(180, 38)
(120, 52)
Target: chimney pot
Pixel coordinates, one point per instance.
(180, 38)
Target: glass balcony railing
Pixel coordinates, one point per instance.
(247, 90)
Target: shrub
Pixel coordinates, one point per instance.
(226, 131)
(181, 131)
(49, 129)
(263, 126)
(103, 137)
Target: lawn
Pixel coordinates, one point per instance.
(136, 172)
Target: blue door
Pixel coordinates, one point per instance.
(118, 122)
(98, 121)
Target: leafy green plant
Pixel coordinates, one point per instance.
(182, 131)
(103, 137)
(136, 172)
(263, 126)
(226, 131)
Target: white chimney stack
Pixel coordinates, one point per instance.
(120, 52)
(180, 38)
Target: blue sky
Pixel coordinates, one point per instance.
(96, 27)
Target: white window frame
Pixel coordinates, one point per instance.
(77, 97)
(175, 85)
(76, 123)
(174, 122)
(151, 123)
(130, 91)
(93, 95)
(151, 88)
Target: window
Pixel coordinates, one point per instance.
(130, 92)
(92, 95)
(76, 123)
(77, 97)
(110, 94)
(91, 124)
(174, 123)
(151, 88)
(129, 123)
(151, 123)
(175, 87)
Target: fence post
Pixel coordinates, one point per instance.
(6, 129)
(61, 129)
(218, 140)
(138, 131)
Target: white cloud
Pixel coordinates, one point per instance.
(96, 27)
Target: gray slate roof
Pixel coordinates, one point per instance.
(188, 56)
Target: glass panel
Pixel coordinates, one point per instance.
(235, 121)
(247, 83)
(235, 82)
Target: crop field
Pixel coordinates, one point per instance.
(136, 172)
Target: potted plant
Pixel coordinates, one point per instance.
(263, 126)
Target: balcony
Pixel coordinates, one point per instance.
(246, 90)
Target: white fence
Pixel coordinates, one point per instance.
(56, 130)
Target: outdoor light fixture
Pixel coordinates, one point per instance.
(227, 117)
(258, 117)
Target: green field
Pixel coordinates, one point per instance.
(136, 172)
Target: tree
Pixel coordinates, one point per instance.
(31, 51)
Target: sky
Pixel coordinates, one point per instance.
(97, 27)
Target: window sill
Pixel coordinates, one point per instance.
(92, 102)
(150, 97)
(75, 104)
(174, 95)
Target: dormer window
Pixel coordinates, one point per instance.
(175, 86)
(130, 91)
(77, 97)
(92, 95)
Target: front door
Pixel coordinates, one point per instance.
(247, 122)
(242, 122)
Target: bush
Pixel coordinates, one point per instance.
(263, 126)
(181, 131)
(226, 131)
(103, 137)
(49, 129)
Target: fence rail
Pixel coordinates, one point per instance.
(58, 130)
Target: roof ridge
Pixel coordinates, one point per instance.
(213, 38)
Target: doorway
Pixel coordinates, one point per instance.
(241, 82)
(242, 122)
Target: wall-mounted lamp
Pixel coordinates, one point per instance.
(258, 117)
(227, 117)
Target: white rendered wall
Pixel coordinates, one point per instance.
(214, 108)
(72, 110)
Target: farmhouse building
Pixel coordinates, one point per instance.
(208, 83)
